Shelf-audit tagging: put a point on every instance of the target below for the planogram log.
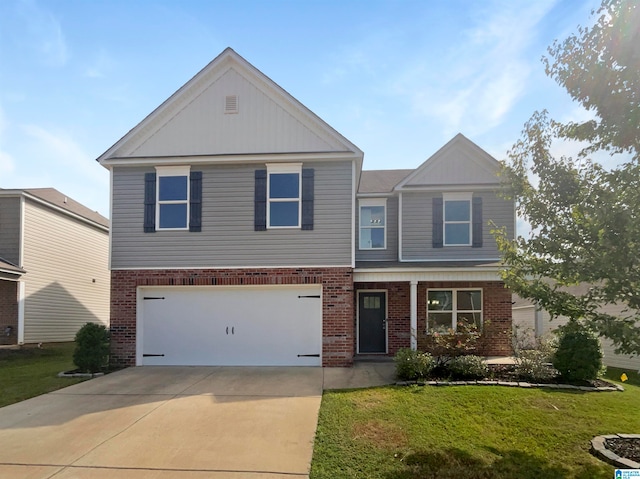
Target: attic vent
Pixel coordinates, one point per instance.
(231, 104)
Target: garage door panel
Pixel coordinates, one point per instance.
(232, 326)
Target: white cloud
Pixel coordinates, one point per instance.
(486, 70)
(100, 66)
(44, 33)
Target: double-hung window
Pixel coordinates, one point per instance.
(284, 194)
(447, 309)
(373, 224)
(172, 212)
(457, 219)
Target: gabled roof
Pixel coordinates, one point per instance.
(52, 197)
(198, 120)
(381, 181)
(458, 163)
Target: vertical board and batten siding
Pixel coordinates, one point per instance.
(228, 238)
(417, 228)
(10, 230)
(62, 257)
(260, 125)
(391, 251)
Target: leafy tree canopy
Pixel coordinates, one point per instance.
(585, 219)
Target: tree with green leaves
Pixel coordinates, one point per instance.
(584, 218)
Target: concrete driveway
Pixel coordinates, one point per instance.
(162, 423)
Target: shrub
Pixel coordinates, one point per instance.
(447, 345)
(534, 364)
(412, 364)
(468, 367)
(579, 356)
(92, 348)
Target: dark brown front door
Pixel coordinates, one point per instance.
(372, 324)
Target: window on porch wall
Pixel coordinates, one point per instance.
(449, 309)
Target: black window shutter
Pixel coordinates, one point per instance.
(195, 201)
(260, 200)
(307, 198)
(149, 202)
(437, 226)
(477, 222)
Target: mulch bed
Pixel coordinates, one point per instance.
(627, 448)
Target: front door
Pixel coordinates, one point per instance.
(372, 322)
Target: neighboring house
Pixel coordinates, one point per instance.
(534, 322)
(54, 274)
(244, 232)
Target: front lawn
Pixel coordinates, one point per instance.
(466, 432)
(30, 371)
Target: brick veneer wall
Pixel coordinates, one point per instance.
(338, 330)
(8, 311)
(496, 304)
(398, 312)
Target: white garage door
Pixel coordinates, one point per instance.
(230, 326)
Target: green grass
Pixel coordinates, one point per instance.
(468, 432)
(615, 373)
(29, 371)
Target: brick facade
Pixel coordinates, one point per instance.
(496, 336)
(8, 312)
(338, 333)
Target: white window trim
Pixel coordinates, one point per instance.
(284, 168)
(372, 202)
(172, 171)
(454, 307)
(457, 197)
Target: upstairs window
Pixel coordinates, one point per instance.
(457, 219)
(284, 193)
(448, 309)
(373, 224)
(173, 198)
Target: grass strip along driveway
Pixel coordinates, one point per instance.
(468, 432)
(30, 371)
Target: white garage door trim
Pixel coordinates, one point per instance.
(293, 329)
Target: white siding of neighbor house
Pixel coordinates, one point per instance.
(63, 256)
(417, 226)
(10, 230)
(525, 318)
(390, 253)
(228, 238)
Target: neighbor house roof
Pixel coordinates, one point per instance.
(7, 267)
(381, 181)
(54, 198)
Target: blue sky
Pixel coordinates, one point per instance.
(397, 78)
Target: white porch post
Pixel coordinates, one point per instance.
(414, 315)
(20, 312)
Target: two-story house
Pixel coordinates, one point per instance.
(244, 232)
(54, 274)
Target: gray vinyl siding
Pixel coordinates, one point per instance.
(228, 238)
(63, 256)
(391, 251)
(417, 228)
(10, 230)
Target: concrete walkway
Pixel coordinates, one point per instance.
(175, 423)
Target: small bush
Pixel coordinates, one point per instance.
(468, 368)
(412, 364)
(534, 364)
(92, 348)
(579, 356)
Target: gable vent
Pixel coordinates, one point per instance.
(231, 104)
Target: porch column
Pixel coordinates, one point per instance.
(414, 315)
(20, 312)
